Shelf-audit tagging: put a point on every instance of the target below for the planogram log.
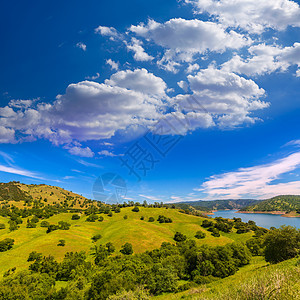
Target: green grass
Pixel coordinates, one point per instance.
(143, 235)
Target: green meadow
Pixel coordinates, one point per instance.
(143, 235)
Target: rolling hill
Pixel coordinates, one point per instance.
(286, 204)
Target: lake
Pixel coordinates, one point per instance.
(263, 220)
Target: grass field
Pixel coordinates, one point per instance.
(143, 235)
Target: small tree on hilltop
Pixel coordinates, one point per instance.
(127, 249)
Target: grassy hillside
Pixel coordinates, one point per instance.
(23, 195)
(217, 204)
(143, 235)
(280, 203)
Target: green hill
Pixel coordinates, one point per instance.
(286, 204)
(217, 204)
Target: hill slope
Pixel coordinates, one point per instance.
(286, 204)
(22, 195)
(217, 204)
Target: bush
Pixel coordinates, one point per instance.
(2, 226)
(281, 244)
(125, 217)
(6, 244)
(136, 209)
(45, 224)
(61, 243)
(142, 218)
(151, 219)
(34, 256)
(96, 237)
(163, 219)
(100, 219)
(64, 225)
(179, 237)
(127, 249)
(91, 218)
(110, 214)
(52, 227)
(75, 217)
(200, 235)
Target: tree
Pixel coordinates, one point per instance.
(64, 225)
(61, 243)
(2, 226)
(179, 237)
(151, 219)
(136, 209)
(96, 237)
(281, 244)
(200, 235)
(45, 224)
(34, 256)
(100, 219)
(127, 249)
(75, 217)
(6, 244)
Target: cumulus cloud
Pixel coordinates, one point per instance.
(94, 77)
(250, 15)
(228, 97)
(191, 36)
(89, 111)
(264, 59)
(78, 150)
(139, 80)
(257, 181)
(114, 65)
(139, 51)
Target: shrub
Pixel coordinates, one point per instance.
(179, 237)
(64, 225)
(45, 224)
(2, 226)
(136, 209)
(125, 217)
(6, 244)
(75, 217)
(151, 219)
(110, 214)
(127, 249)
(61, 243)
(100, 219)
(34, 256)
(96, 237)
(142, 218)
(200, 235)
(91, 218)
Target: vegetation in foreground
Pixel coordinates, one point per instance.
(134, 251)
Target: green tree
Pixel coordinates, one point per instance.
(179, 237)
(127, 249)
(281, 244)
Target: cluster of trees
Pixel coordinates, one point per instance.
(6, 244)
(158, 271)
(163, 219)
(60, 226)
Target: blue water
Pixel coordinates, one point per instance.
(262, 220)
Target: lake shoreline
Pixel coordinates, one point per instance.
(281, 213)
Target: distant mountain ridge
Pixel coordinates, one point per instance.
(217, 204)
(283, 203)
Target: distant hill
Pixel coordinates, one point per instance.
(284, 203)
(21, 195)
(217, 204)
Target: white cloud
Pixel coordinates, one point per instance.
(107, 153)
(114, 65)
(81, 45)
(293, 143)
(257, 181)
(108, 31)
(79, 151)
(190, 36)
(13, 170)
(139, 51)
(139, 80)
(253, 16)
(183, 85)
(94, 77)
(265, 59)
(192, 67)
(7, 135)
(228, 97)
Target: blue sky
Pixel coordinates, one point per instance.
(213, 85)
